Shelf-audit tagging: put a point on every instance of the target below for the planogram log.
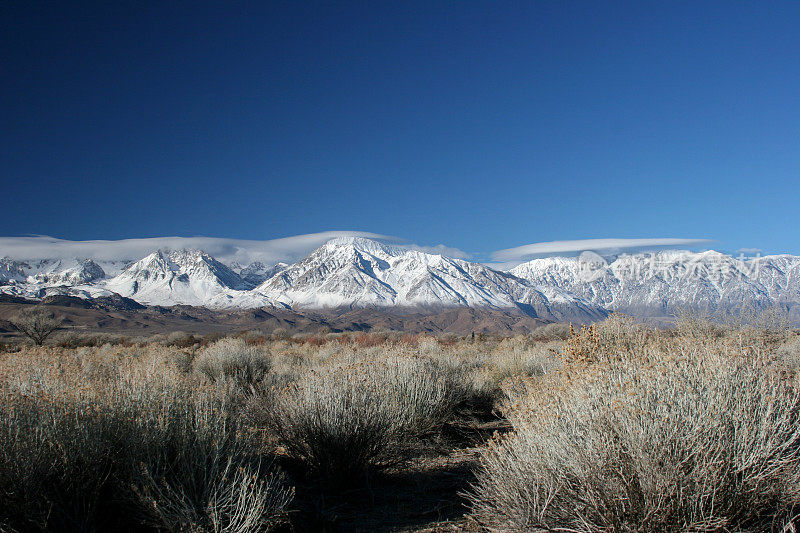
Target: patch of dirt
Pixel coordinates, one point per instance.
(426, 496)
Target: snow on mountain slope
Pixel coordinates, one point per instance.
(662, 282)
(189, 277)
(57, 271)
(257, 273)
(779, 276)
(346, 272)
(37, 291)
(48, 277)
(12, 271)
(357, 272)
(70, 272)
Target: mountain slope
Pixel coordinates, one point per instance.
(359, 273)
(660, 283)
(189, 277)
(70, 272)
(12, 271)
(257, 273)
(355, 272)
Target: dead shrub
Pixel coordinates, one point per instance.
(355, 416)
(368, 340)
(233, 358)
(642, 435)
(552, 332)
(115, 449)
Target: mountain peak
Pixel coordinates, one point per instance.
(358, 272)
(368, 273)
(362, 244)
(168, 277)
(660, 283)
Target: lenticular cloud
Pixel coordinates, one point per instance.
(288, 249)
(519, 253)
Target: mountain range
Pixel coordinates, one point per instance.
(360, 273)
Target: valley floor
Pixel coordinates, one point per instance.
(611, 427)
(88, 317)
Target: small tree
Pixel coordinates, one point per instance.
(36, 324)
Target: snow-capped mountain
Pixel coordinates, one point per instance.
(12, 271)
(660, 283)
(52, 272)
(70, 272)
(50, 277)
(167, 277)
(357, 272)
(348, 272)
(257, 272)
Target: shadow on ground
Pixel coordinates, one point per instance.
(425, 496)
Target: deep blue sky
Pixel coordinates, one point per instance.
(481, 125)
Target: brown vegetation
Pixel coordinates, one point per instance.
(612, 427)
(641, 430)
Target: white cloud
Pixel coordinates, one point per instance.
(292, 249)
(520, 253)
(749, 251)
(288, 249)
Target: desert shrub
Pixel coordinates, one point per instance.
(74, 339)
(9, 347)
(768, 320)
(211, 338)
(134, 446)
(449, 338)
(430, 347)
(692, 323)
(67, 452)
(363, 339)
(181, 339)
(236, 499)
(764, 327)
(335, 336)
(182, 360)
(410, 339)
(789, 353)
(516, 359)
(608, 340)
(554, 331)
(198, 475)
(310, 339)
(252, 336)
(350, 417)
(316, 340)
(280, 334)
(643, 440)
(233, 358)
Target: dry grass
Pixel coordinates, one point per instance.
(154, 435)
(645, 431)
(233, 358)
(353, 415)
(618, 427)
(118, 438)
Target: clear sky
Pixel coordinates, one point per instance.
(480, 125)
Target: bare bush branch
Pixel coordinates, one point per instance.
(37, 324)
